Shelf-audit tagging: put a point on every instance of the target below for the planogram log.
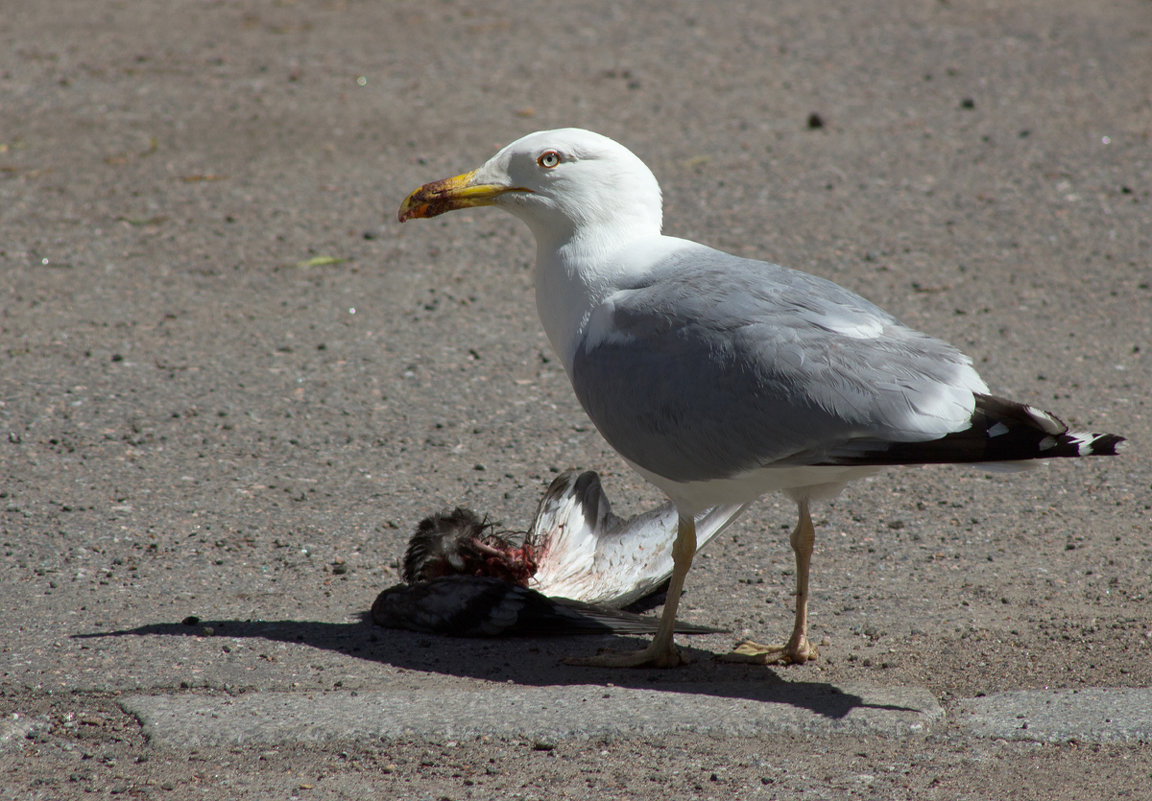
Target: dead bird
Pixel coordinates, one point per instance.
(569, 574)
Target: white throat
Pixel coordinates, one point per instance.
(577, 279)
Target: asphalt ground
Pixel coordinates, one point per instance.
(231, 384)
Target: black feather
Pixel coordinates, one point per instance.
(1001, 431)
(480, 606)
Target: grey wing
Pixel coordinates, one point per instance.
(714, 365)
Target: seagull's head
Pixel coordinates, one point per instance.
(562, 183)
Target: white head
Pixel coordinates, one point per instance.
(562, 183)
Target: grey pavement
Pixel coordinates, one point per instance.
(542, 714)
(549, 714)
(1090, 715)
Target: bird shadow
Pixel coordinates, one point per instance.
(525, 661)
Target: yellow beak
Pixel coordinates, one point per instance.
(450, 194)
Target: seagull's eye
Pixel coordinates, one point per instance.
(549, 159)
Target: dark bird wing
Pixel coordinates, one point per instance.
(478, 606)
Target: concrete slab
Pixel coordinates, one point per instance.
(536, 713)
(1097, 715)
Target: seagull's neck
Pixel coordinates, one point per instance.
(576, 274)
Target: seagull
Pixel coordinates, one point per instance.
(573, 572)
(720, 378)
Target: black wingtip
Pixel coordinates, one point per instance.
(1001, 431)
(1103, 445)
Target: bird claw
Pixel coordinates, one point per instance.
(753, 653)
